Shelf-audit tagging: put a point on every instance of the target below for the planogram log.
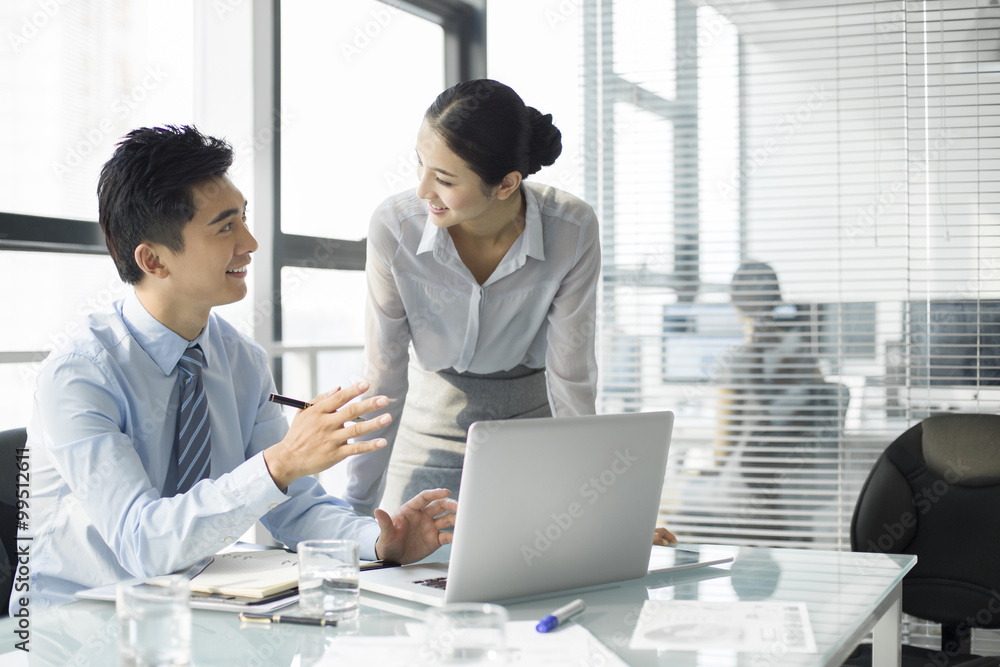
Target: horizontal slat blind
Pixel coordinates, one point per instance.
(851, 146)
(854, 148)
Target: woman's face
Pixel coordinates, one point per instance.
(453, 192)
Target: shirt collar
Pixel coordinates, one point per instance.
(432, 236)
(532, 246)
(163, 345)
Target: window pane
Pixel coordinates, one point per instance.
(17, 389)
(85, 73)
(356, 79)
(719, 148)
(322, 307)
(323, 336)
(554, 88)
(644, 45)
(64, 288)
(643, 192)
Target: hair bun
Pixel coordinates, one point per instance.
(546, 140)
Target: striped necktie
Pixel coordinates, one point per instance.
(193, 428)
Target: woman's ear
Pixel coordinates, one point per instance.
(509, 185)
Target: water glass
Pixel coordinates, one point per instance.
(154, 622)
(466, 634)
(328, 578)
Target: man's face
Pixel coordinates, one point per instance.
(211, 269)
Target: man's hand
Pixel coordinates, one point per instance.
(663, 537)
(414, 532)
(318, 436)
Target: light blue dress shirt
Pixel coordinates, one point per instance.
(103, 469)
(537, 309)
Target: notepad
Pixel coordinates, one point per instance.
(746, 626)
(249, 574)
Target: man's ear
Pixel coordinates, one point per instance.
(147, 257)
(509, 185)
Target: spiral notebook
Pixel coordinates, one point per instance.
(236, 580)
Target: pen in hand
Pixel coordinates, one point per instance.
(560, 615)
(302, 405)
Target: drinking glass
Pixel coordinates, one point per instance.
(154, 622)
(328, 578)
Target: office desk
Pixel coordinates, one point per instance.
(847, 594)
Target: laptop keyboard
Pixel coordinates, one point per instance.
(436, 582)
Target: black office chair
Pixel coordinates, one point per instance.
(10, 442)
(935, 493)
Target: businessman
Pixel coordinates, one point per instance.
(152, 441)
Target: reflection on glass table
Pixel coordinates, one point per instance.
(846, 595)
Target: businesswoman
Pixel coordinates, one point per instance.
(492, 279)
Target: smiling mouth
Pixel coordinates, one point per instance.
(437, 209)
(240, 270)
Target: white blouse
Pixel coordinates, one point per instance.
(537, 309)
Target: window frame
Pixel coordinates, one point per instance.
(464, 25)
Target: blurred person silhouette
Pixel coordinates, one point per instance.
(776, 414)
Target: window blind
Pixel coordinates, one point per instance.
(800, 243)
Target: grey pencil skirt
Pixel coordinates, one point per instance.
(440, 406)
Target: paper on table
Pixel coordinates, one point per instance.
(741, 626)
(572, 645)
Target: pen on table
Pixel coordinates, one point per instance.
(553, 620)
(301, 405)
(278, 618)
(378, 565)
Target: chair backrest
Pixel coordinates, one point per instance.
(935, 493)
(10, 442)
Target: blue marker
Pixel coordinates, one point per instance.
(553, 620)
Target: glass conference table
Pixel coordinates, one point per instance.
(847, 596)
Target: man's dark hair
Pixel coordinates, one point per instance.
(145, 192)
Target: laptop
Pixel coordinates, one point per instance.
(546, 505)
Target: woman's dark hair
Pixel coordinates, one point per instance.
(488, 125)
(145, 192)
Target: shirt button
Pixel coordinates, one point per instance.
(228, 540)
